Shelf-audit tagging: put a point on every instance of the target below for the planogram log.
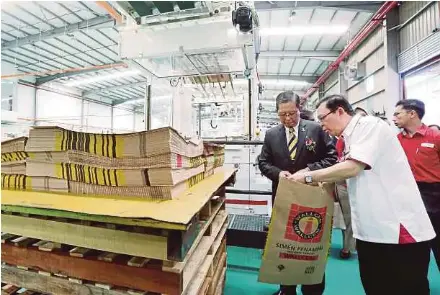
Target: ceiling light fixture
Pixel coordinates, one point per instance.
(102, 78)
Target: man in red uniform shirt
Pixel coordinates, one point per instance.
(422, 147)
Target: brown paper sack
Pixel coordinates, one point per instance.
(299, 235)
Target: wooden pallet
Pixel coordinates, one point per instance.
(110, 269)
(32, 280)
(154, 243)
(103, 219)
(8, 289)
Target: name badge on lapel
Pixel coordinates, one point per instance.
(427, 144)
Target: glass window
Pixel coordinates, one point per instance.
(424, 84)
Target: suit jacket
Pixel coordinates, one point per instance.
(275, 157)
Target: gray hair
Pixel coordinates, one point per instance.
(287, 96)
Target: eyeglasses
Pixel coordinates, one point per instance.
(289, 114)
(398, 113)
(321, 118)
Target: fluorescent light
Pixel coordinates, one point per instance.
(304, 30)
(103, 78)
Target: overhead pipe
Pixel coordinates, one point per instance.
(353, 44)
(113, 13)
(53, 72)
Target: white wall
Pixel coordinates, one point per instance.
(139, 124)
(123, 120)
(97, 117)
(56, 105)
(369, 92)
(25, 105)
(419, 27)
(18, 121)
(59, 110)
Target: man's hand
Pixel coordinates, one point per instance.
(298, 177)
(285, 174)
(303, 170)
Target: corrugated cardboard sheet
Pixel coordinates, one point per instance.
(179, 210)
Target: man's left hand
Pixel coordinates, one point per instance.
(303, 170)
(298, 177)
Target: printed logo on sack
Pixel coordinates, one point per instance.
(305, 224)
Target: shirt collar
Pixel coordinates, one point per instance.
(296, 127)
(350, 127)
(421, 130)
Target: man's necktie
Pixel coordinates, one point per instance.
(293, 143)
(340, 147)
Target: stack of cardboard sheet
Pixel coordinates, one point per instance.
(57, 241)
(14, 156)
(214, 155)
(67, 244)
(219, 156)
(156, 164)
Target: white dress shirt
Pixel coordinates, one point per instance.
(288, 132)
(384, 197)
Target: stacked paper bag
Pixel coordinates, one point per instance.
(158, 163)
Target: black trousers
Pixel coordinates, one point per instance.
(317, 289)
(435, 243)
(392, 269)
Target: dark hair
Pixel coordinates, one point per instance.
(434, 125)
(307, 115)
(413, 105)
(335, 101)
(287, 96)
(359, 109)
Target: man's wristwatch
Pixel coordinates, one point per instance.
(308, 179)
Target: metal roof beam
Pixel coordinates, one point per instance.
(309, 79)
(329, 55)
(118, 102)
(362, 6)
(43, 80)
(94, 23)
(107, 89)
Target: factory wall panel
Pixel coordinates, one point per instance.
(97, 117)
(139, 124)
(419, 27)
(123, 120)
(419, 33)
(365, 90)
(18, 113)
(58, 109)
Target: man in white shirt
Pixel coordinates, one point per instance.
(389, 219)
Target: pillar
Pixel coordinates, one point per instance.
(112, 119)
(147, 107)
(343, 83)
(392, 48)
(182, 111)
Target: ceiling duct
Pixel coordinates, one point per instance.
(190, 47)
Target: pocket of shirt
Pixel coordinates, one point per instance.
(427, 152)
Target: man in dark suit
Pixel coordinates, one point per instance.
(295, 145)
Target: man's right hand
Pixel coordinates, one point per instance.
(285, 174)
